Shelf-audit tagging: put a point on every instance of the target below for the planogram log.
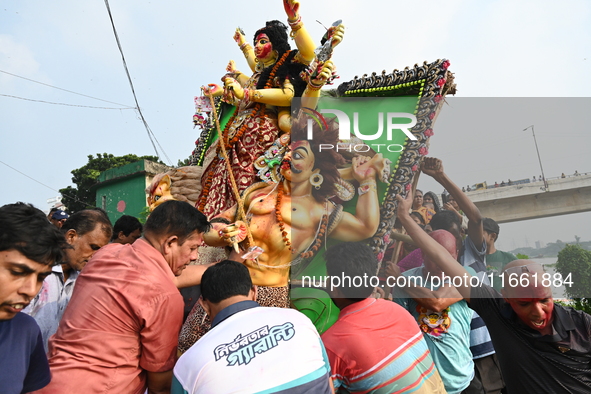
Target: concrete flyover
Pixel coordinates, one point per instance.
(531, 200)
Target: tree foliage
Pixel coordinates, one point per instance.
(183, 163)
(576, 261)
(81, 197)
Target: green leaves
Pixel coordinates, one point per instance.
(576, 260)
(81, 197)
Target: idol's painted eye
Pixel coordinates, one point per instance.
(298, 156)
(156, 198)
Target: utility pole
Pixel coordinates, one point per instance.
(539, 159)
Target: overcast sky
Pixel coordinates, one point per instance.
(502, 49)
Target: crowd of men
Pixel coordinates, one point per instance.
(87, 307)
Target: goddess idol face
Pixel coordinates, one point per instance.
(263, 49)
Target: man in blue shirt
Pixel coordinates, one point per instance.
(444, 318)
(29, 246)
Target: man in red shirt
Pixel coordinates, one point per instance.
(119, 332)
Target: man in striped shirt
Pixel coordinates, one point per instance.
(375, 346)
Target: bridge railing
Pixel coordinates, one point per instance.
(485, 185)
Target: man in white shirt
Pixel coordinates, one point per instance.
(249, 348)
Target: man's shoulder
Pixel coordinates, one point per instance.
(580, 318)
(21, 327)
(508, 256)
(484, 299)
(116, 258)
(23, 364)
(276, 314)
(391, 308)
(385, 309)
(484, 290)
(108, 251)
(119, 251)
(501, 256)
(255, 323)
(265, 316)
(23, 321)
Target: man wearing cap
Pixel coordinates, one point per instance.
(85, 232)
(51, 212)
(496, 259)
(58, 218)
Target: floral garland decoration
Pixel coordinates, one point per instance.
(258, 107)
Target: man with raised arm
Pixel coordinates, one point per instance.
(444, 319)
(473, 250)
(542, 347)
(472, 253)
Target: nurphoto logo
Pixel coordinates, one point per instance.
(389, 124)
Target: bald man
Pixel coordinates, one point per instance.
(443, 316)
(542, 347)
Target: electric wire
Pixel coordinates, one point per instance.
(43, 184)
(69, 105)
(149, 131)
(66, 90)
